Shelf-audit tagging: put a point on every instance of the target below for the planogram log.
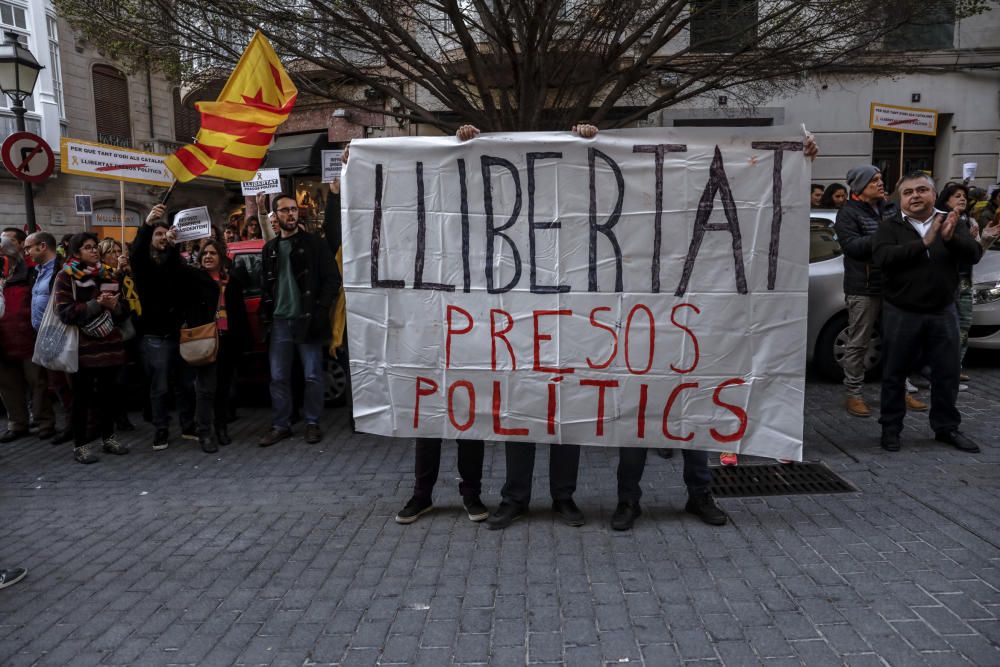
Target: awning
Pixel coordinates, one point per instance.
(297, 153)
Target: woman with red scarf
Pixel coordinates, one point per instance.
(87, 296)
(214, 294)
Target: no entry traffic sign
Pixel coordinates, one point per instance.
(27, 157)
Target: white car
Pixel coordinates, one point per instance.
(826, 327)
(985, 331)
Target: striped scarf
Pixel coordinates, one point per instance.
(80, 271)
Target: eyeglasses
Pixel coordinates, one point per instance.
(88, 248)
(288, 209)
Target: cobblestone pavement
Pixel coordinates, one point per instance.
(290, 556)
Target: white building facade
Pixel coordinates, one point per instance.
(82, 94)
(952, 68)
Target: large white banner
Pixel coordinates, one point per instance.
(642, 288)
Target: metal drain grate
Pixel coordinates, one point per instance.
(777, 479)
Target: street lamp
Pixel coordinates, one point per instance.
(18, 73)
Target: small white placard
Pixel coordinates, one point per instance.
(84, 205)
(193, 224)
(332, 165)
(265, 181)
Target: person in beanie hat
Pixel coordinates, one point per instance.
(857, 222)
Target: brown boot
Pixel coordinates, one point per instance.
(915, 404)
(856, 406)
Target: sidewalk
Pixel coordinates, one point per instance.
(290, 556)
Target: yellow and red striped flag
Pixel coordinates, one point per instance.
(236, 129)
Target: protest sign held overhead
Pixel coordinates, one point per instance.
(646, 287)
(193, 224)
(265, 181)
(331, 161)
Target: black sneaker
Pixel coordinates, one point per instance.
(703, 506)
(113, 445)
(207, 444)
(189, 432)
(413, 510)
(890, 441)
(84, 454)
(625, 515)
(161, 440)
(11, 436)
(222, 435)
(505, 515)
(958, 440)
(568, 512)
(12, 576)
(476, 509)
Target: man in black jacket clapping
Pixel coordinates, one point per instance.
(857, 223)
(919, 251)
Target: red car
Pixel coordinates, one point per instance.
(246, 258)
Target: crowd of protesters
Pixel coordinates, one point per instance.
(908, 266)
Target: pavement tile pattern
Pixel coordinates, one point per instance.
(290, 556)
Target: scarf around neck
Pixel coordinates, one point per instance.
(80, 271)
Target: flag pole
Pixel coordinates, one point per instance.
(121, 193)
(169, 192)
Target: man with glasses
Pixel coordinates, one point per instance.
(299, 284)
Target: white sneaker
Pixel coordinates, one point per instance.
(910, 387)
(963, 387)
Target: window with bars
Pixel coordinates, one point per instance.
(186, 121)
(55, 63)
(111, 106)
(723, 26)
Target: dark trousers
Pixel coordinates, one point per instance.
(165, 369)
(908, 337)
(632, 461)
(225, 370)
(564, 464)
(204, 380)
(428, 462)
(94, 389)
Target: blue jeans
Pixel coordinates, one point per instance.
(162, 360)
(280, 355)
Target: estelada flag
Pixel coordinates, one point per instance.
(237, 128)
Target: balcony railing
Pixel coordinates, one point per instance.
(8, 124)
(160, 146)
(114, 140)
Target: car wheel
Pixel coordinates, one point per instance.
(832, 344)
(338, 383)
